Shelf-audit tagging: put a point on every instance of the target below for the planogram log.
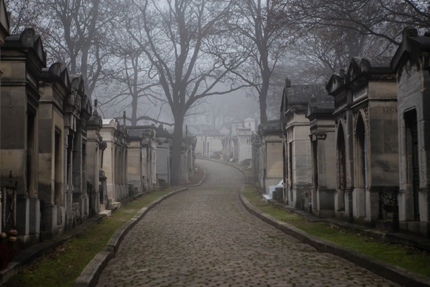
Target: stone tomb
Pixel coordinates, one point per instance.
(366, 140)
(323, 151)
(411, 64)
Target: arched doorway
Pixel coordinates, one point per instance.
(341, 170)
(361, 168)
(412, 163)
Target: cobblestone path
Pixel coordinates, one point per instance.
(205, 237)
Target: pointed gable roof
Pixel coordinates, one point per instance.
(28, 40)
(322, 104)
(412, 47)
(336, 82)
(298, 97)
(361, 70)
(272, 127)
(56, 72)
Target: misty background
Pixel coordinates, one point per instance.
(305, 40)
(209, 62)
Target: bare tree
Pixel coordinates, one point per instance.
(134, 84)
(380, 18)
(23, 14)
(74, 32)
(334, 31)
(173, 35)
(131, 89)
(255, 30)
(324, 50)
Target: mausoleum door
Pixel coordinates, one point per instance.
(416, 169)
(30, 153)
(361, 153)
(412, 158)
(341, 168)
(315, 174)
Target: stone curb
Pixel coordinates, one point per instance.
(91, 272)
(391, 272)
(388, 271)
(28, 255)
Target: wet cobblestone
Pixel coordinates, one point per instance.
(205, 237)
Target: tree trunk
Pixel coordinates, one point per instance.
(263, 108)
(263, 99)
(133, 116)
(176, 170)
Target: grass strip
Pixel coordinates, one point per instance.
(62, 267)
(409, 258)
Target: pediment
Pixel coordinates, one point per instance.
(86, 105)
(364, 69)
(334, 83)
(29, 39)
(78, 84)
(55, 70)
(412, 48)
(65, 78)
(354, 69)
(38, 48)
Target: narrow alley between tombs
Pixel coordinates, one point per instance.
(205, 237)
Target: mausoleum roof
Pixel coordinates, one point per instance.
(412, 47)
(271, 127)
